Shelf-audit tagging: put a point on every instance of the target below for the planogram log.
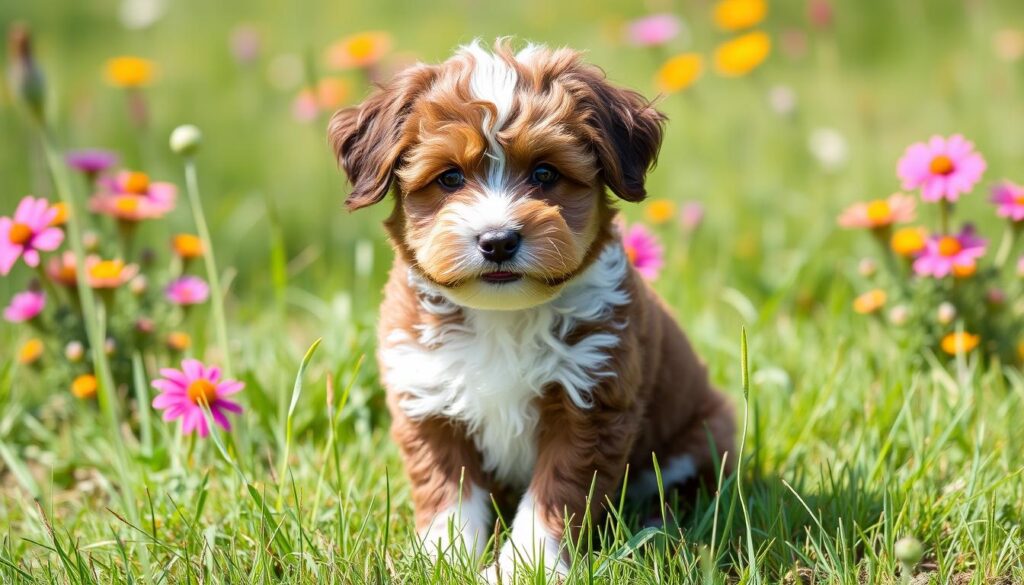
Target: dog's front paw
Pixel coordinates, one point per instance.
(530, 546)
(459, 530)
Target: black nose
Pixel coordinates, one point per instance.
(498, 245)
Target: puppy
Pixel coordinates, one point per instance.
(524, 357)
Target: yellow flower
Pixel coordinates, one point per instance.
(869, 302)
(679, 72)
(84, 386)
(964, 342)
(30, 351)
(178, 341)
(187, 246)
(130, 72)
(359, 50)
(739, 14)
(660, 210)
(742, 54)
(908, 241)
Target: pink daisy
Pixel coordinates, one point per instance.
(643, 250)
(184, 392)
(1009, 197)
(943, 168)
(130, 196)
(188, 290)
(28, 233)
(898, 208)
(943, 255)
(25, 306)
(692, 215)
(653, 30)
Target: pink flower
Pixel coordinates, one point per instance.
(184, 392)
(130, 196)
(643, 250)
(1009, 197)
(653, 30)
(941, 167)
(691, 215)
(25, 306)
(28, 233)
(943, 255)
(880, 213)
(188, 290)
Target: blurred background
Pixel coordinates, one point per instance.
(770, 155)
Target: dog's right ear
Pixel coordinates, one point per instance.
(368, 139)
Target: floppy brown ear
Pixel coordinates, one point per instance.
(368, 139)
(625, 130)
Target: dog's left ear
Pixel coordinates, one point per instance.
(625, 130)
(368, 139)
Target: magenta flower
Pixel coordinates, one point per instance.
(943, 255)
(28, 233)
(943, 168)
(643, 250)
(1009, 197)
(90, 161)
(25, 306)
(653, 30)
(184, 392)
(188, 290)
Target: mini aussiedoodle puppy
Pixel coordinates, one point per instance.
(524, 358)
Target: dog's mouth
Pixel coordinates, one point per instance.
(500, 277)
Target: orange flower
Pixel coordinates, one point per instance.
(742, 54)
(331, 92)
(62, 215)
(880, 213)
(30, 351)
(660, 210)
(679, 72)
(178, 341)
(360, 50)
(964, 270)
(187, 246)
(960, 342)
(130, 72)
(84, 386)
(869, 302)
(908, 241)
(739, 14)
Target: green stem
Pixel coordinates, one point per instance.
(94, 328)
(945, 209)
(1006, 245)
(217, 300)
(745, 379)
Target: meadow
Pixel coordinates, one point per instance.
(867, 434)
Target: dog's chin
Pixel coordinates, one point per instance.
(503, 294)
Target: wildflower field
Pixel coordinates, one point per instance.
(188, 390)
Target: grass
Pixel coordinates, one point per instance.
(853, 440)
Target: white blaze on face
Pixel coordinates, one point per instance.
(493, 80)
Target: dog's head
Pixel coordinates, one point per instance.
(500, 163)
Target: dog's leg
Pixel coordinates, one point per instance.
(581, 459)
(449, 491)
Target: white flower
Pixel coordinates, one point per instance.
(828, 147)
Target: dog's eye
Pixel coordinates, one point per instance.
(544, 174)
(451, 179)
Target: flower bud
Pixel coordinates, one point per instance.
(185, 140)
(946, 313)
(74, 351)
(26, 77)
(996, 297)
(145, 325)
(91, 241)
(109, 346)
(909, 550)
(899, 315)
(867, 267)
(138, 285)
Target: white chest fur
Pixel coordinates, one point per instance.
(487, 370)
